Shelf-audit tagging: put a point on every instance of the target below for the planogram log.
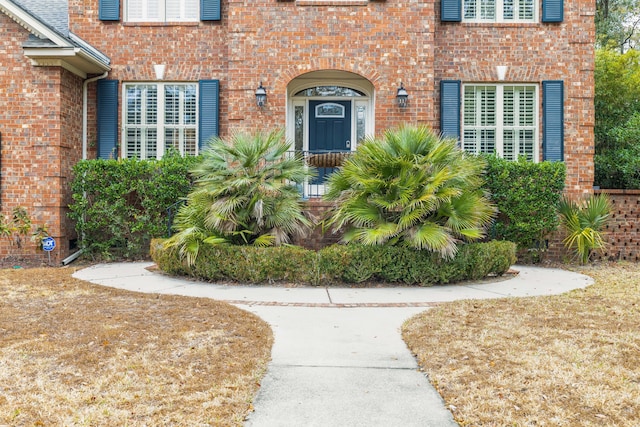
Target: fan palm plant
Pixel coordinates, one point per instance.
(584, 222)
(244, 193)
(413, 187)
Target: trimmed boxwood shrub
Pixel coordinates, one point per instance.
(338, 264)
(527, 195)
(119, 205)
(241, 263)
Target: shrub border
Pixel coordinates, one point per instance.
(338, 264)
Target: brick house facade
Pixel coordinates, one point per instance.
(516, 79)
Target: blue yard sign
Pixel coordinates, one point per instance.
(48, 244)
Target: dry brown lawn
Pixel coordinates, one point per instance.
(76, 354)
(569, 360)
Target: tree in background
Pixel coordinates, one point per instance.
(617, 107)
(617, 24)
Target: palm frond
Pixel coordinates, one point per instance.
(432, 237)
(243, 189)
(411, 178)
(583, 223)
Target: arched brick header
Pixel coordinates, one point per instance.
(325, 64)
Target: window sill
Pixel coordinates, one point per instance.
(501, 24)
(332, 2)
(161, 24)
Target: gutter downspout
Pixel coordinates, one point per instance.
(85, 84)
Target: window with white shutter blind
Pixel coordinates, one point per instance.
(479, 122)
(499, 10)
(160, 117)
(519, 122)
(182, 10)
(162, 10)
(500, 119)
(180, 108)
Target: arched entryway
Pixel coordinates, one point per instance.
(328, 114)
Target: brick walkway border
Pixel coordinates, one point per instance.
(334, 305)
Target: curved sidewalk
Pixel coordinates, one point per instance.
(338, 358)
(531, 281)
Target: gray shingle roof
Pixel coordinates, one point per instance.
(54, 13)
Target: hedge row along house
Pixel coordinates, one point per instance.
(133, 78)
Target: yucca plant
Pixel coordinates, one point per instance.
(583, 223)
(244, 193)
(410, 187)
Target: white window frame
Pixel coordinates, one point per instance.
(499, 6)
(161, 125)
(186, 6)
(498, 123)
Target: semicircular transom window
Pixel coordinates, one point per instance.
(330, 91)
(330, 110)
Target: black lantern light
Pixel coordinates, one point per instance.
(402, 96)
(261, 96)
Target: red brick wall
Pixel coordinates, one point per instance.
(190, 51)
(319, 237)
(70, 153)
(269, 41)
(274, 42)
(622, 233)
(533, 53)
(385, 42)
(39, 112)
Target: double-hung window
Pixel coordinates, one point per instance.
(159, 117)
(501, 119)
(162, 10)
(500, 10)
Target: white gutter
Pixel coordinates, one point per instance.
(84, 111)
(75, 255)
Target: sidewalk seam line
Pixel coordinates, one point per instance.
(326, 288)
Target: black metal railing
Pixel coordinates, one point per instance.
(325, 163)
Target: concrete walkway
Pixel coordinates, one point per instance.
(338, 358)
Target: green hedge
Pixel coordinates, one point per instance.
(526, 195)
(618, 169)
(119, 205)
(338, 264)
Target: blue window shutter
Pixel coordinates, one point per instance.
(450, 108)
(552, 10)
(553, 120)
(209, 10)
(107, 114)
(451, 10)
(109, 10)
(208, 110)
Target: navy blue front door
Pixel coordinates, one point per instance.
(329, 130)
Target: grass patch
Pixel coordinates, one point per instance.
(72, 353)
(565, 360)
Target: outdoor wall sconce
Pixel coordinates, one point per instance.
(261, 96)
(402, 96)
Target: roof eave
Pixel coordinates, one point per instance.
(31, 24)
(72, 59)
